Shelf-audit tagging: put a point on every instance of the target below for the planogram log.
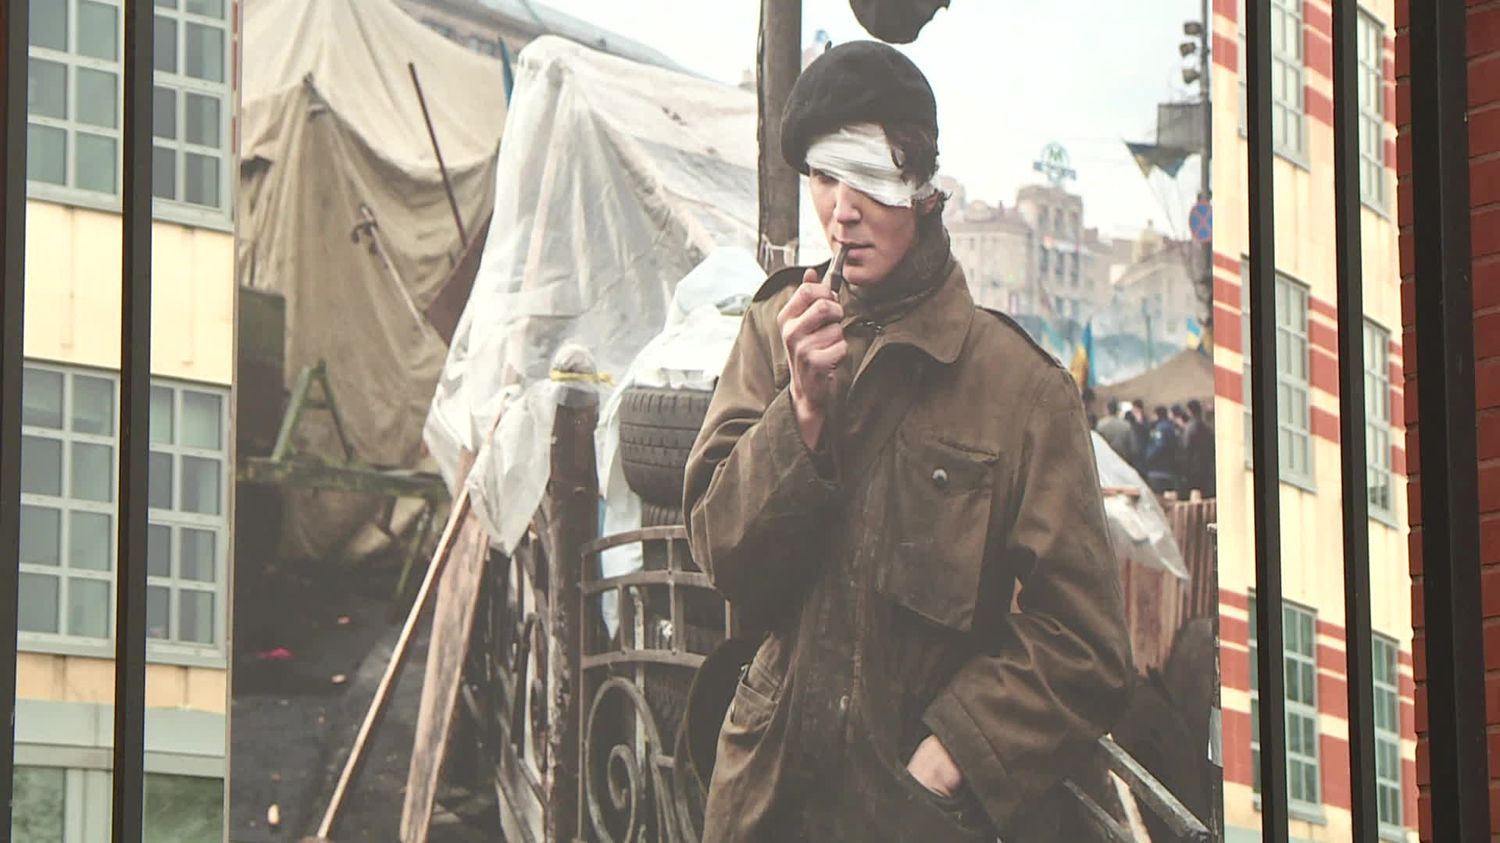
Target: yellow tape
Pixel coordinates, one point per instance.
(601, 377)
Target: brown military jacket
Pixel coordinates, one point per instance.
(961, 468)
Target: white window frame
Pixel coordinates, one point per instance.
(1288, 95)
(66, 506)
(177, 520)
(73, 60)
(69, 193)
(1379, 437)
(1299, 659)
(1293, 377)
(1293, 370)
(1288, 81)
(1387, 697)
(1300, 628)
(181, 84)
(1372, 164)
(172, 651)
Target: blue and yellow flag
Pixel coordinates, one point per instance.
(1083, 356)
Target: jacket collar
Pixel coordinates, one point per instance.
(939, 325)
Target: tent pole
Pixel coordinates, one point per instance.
(463, 237)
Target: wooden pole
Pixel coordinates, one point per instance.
(572, 510)
(777, 66)
(376, 712)
(458, 218)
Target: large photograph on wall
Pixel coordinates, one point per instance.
(757, 421)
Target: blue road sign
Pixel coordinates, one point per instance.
(1201, 221)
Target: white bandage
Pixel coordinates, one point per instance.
(860, 156)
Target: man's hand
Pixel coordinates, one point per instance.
(933, 767)
(815, 347)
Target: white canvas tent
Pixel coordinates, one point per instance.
(331, 122)
(614, 180)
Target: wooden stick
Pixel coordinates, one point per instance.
(382, 691)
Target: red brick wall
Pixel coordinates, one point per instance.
(1484, 180)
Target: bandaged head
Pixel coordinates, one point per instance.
(860, 156)
(838, 105)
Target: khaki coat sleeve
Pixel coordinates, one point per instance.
(1019, 717)
(754, 493)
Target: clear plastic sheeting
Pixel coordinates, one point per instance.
(1138, 526)
(614, 180)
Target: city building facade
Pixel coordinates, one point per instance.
(71, 419)
(1309, 473)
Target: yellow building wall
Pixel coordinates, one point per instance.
(73, 286)
(1312, 541)
(41, 676)
(73, 294)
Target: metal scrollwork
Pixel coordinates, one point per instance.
(635, 774)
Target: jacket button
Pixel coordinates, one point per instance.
(939, 478)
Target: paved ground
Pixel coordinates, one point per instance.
(291, 724)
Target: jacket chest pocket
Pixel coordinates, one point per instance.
(938, 524)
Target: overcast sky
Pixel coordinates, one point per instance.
(1009, 76)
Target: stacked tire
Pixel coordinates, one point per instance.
(657, 429)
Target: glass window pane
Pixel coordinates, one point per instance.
(207, 8)
(164, 112)
(158, 612)
(47, 89)
(46, 154)
(93, 405)
(162, 427)
(202, 180)
(98, 30)
(48, 26)
(197, 557)
(195, 618)
(158, 550)
(41, 535)
(41, 465)
(37, 603)
(95, 164)
(183, 809)
(37, 798)
(93, 472)
(202, 119)
(200, 485)
(88, 608)
(170, 4)
(202, 420)
(166, 44)
(160, 482)
(90, 540)
(204, 52)
(42, 398)
(163, 173)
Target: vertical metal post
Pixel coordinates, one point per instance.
(135, 419)
(778, 63)
(13, 43)
(458, 218)
(1449, 484)
(1264, 427)
(1353, 450)
(1205, 180)
(572, 509)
